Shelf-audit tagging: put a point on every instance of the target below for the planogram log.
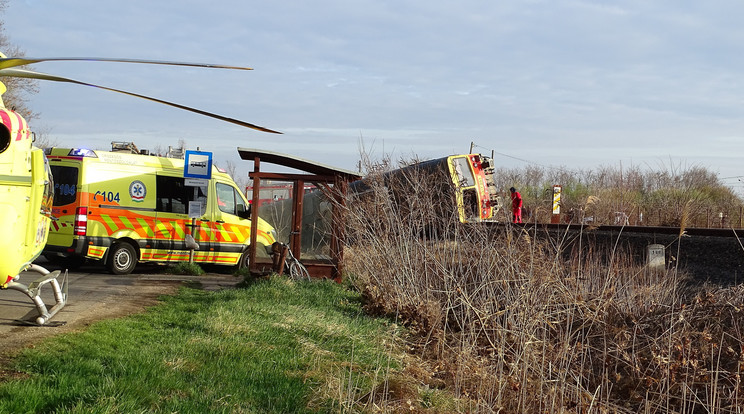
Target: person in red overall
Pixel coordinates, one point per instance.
(516, 205)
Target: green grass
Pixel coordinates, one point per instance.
(273, 347)
(186, 268)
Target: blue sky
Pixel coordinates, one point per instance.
(580, 84)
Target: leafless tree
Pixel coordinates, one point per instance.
(19, 89)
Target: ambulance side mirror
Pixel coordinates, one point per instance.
(243, 212)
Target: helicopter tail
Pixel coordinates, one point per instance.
(33, 291)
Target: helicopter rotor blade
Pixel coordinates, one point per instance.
(22, 73)
(10, 62)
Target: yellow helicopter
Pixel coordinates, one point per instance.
(27, 189)
(26, 193)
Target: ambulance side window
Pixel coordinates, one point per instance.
(200, 196)
(225, 198)
(229, 200)
(240, 204)
(173, 196)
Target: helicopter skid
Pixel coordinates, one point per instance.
(33, 291)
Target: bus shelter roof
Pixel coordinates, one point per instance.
(297, 163)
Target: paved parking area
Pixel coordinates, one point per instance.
(93, 294)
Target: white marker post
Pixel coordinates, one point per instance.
(556, 217)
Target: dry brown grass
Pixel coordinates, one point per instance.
(511, 323)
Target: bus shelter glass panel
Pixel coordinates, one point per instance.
(275, 207)
(317, 216)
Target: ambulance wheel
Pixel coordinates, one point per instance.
(122, 259)
(245, 260)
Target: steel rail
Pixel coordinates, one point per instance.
(688, 231)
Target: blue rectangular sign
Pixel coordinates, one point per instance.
(198, 164)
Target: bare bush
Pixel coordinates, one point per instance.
(608, 195)
(512, 323)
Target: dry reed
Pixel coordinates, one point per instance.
(518, 322)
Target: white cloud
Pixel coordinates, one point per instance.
(589, 81)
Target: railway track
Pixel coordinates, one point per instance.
(688, 231)
(707, 254)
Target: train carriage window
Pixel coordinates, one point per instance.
(464, 174)
(65, 184)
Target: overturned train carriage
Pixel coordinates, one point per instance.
(457, 186)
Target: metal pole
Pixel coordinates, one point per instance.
(191, 250)
(193, 227)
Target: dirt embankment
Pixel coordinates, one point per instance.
(718, 260)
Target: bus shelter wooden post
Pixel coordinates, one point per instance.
(252, 266)
(295, 241)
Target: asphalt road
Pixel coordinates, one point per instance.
(93, 294)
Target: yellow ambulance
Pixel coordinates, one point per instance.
(124, 208)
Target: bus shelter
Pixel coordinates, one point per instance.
(309, 217)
